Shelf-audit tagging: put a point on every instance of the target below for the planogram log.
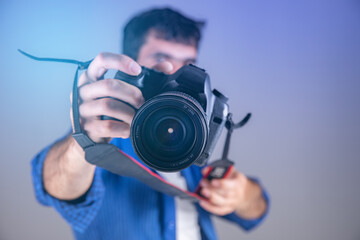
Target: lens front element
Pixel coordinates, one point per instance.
(169, 132)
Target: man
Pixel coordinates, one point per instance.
(101, 205)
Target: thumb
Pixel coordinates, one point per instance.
(205, 170)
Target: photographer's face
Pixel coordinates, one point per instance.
(156, 50)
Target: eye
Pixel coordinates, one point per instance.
(159, 59)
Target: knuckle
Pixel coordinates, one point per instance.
(83, 79)
(82, 110)
(100, 57)
(122, 57)
(109, 85)
(121, 60)
(107, 104)
(89, 127)
(105, 127)
(126, 132)
(125, 60)
(128, 118)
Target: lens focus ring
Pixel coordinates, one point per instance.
(169, 132)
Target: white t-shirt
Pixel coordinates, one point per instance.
(187, 224)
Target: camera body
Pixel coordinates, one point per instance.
(181, 119)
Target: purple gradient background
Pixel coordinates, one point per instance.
(294, 64)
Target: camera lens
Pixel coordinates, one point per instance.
(169, 131)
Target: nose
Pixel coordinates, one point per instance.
(176, 66)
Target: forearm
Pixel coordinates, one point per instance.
(257, 204)
(66, 173)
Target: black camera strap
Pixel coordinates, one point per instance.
(111, 158)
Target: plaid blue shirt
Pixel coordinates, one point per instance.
(117, 207)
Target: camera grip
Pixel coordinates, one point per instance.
(217, 170)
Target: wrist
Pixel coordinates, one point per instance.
(254, 204)
(66, 173)
(74, 156)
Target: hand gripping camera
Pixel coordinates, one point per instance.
(181, 119)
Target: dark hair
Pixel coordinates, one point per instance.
(166, 23)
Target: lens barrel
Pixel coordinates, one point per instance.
(169, 132)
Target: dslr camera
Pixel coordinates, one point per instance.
(181, 119)
(178, 125)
